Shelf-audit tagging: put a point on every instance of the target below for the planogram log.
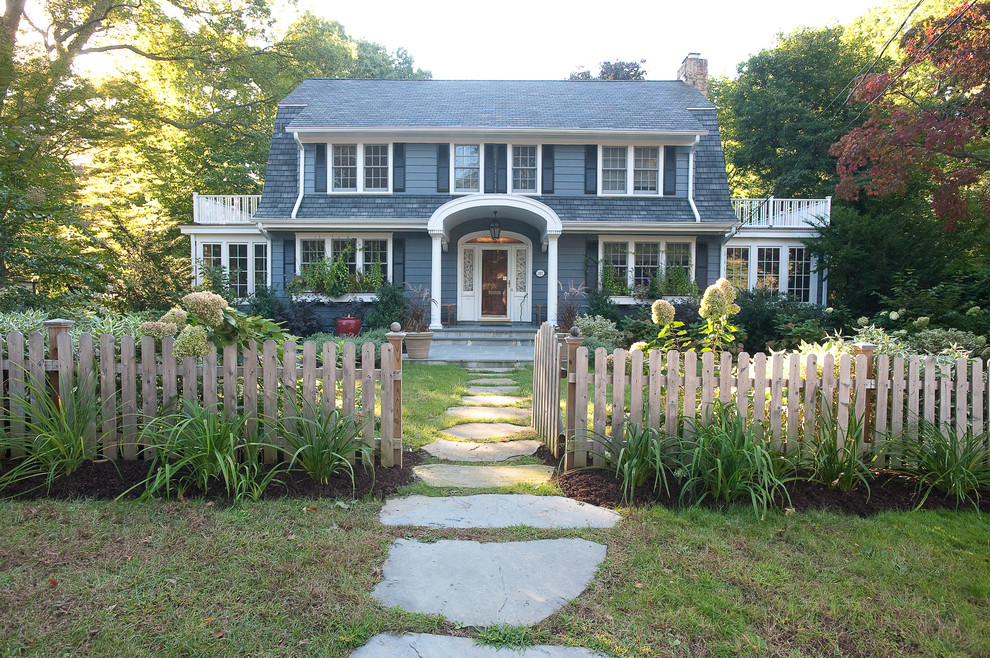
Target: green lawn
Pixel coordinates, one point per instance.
(277, 578)
(294, 577)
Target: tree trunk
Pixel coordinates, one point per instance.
(8, 39)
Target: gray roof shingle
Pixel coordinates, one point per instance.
(521, 104)
(421, 206)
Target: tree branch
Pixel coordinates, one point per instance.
(213, 119)
(158, 57)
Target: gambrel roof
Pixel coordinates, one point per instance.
(555, 105)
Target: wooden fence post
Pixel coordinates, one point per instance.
(868, 350)
(395, 337)
(573, 341)
(55, 328)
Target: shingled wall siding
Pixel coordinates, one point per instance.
(421, 168)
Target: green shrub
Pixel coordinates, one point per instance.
(264, 303)
(951, 342)
(727, 460)
(599, 328)
(323, 443)
(640, 455)
(198, 447)
(613, 282)
(54, 434)
(940, 458)
(600, 304)
(390, 306)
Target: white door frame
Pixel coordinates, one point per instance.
(520, 288)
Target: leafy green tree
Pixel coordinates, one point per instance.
(785, 108)
(617, 70)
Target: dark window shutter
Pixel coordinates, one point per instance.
(398, 167)
(669, 170)
(443, 168)
(591, 264)
(320, 169)
(701, 266)
(490, 157)
(548, 169)
(591, 169)
(501, 169)
(288, 261)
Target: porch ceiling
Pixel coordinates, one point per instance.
(524, 209)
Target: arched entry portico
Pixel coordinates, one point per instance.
(519, 208)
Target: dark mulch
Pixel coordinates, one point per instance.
(887, 493)
(105, 480)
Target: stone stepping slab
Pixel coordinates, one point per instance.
(423, 645)
(497, 381)
(480, 477)
(479, 584)
(480, 390)
(485, 430)
(483, 371)
(462, 451)
(490, 413)
(492, 400)
(496, 511)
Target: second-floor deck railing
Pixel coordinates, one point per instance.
(224, 208)
(782, 213)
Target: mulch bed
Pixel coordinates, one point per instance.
(105, 480)
(887, 493)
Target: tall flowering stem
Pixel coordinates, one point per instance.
(717, 306)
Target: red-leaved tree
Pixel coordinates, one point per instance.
(928, 118)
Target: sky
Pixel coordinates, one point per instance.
(540, 39)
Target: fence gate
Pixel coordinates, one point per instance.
(547, 360)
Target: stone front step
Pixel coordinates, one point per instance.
(492, 400)
(481, 477)
(517, 583)
(482, 390)
(496, 511)
(493, 381)
(461, 451)
(422, 645)
(485, 430)
(490, 413)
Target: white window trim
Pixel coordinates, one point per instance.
(784, 261)
(630, 243)
(539, 171)
(225, 259)
(481, 168)
(358, 257)
(630, 169)
(359, 146)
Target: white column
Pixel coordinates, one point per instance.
(435, 283)
(552, 278)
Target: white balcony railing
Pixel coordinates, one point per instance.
(224, 208)
(782, 213)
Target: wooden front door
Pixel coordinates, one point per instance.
(494, 283)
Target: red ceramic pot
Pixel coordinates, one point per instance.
(348, 326)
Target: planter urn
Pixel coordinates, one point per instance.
(348, 326)
(418, 344)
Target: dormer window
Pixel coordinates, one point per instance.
(353, 167)
(524, 169)
(467, 167)
(637, 170)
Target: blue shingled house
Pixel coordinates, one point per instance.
(494, 194)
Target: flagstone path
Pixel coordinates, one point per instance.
(483, 584)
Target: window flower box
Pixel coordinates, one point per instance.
(320, 298)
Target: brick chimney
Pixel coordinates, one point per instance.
(694, 72)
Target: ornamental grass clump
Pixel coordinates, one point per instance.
(55, 435)
(838, 459)
(641, 455)
(200, 448)
(325, 444)
(726, 459)
(940, 458)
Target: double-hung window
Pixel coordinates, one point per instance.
(467, 168)
(237, 268)
(212, 254)
(614, 168)
(637, 170)
(354, 168)
(524, 168)
(768, 268)
(799, 273)
(629, 264)
(362, 254)
(737, 267)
